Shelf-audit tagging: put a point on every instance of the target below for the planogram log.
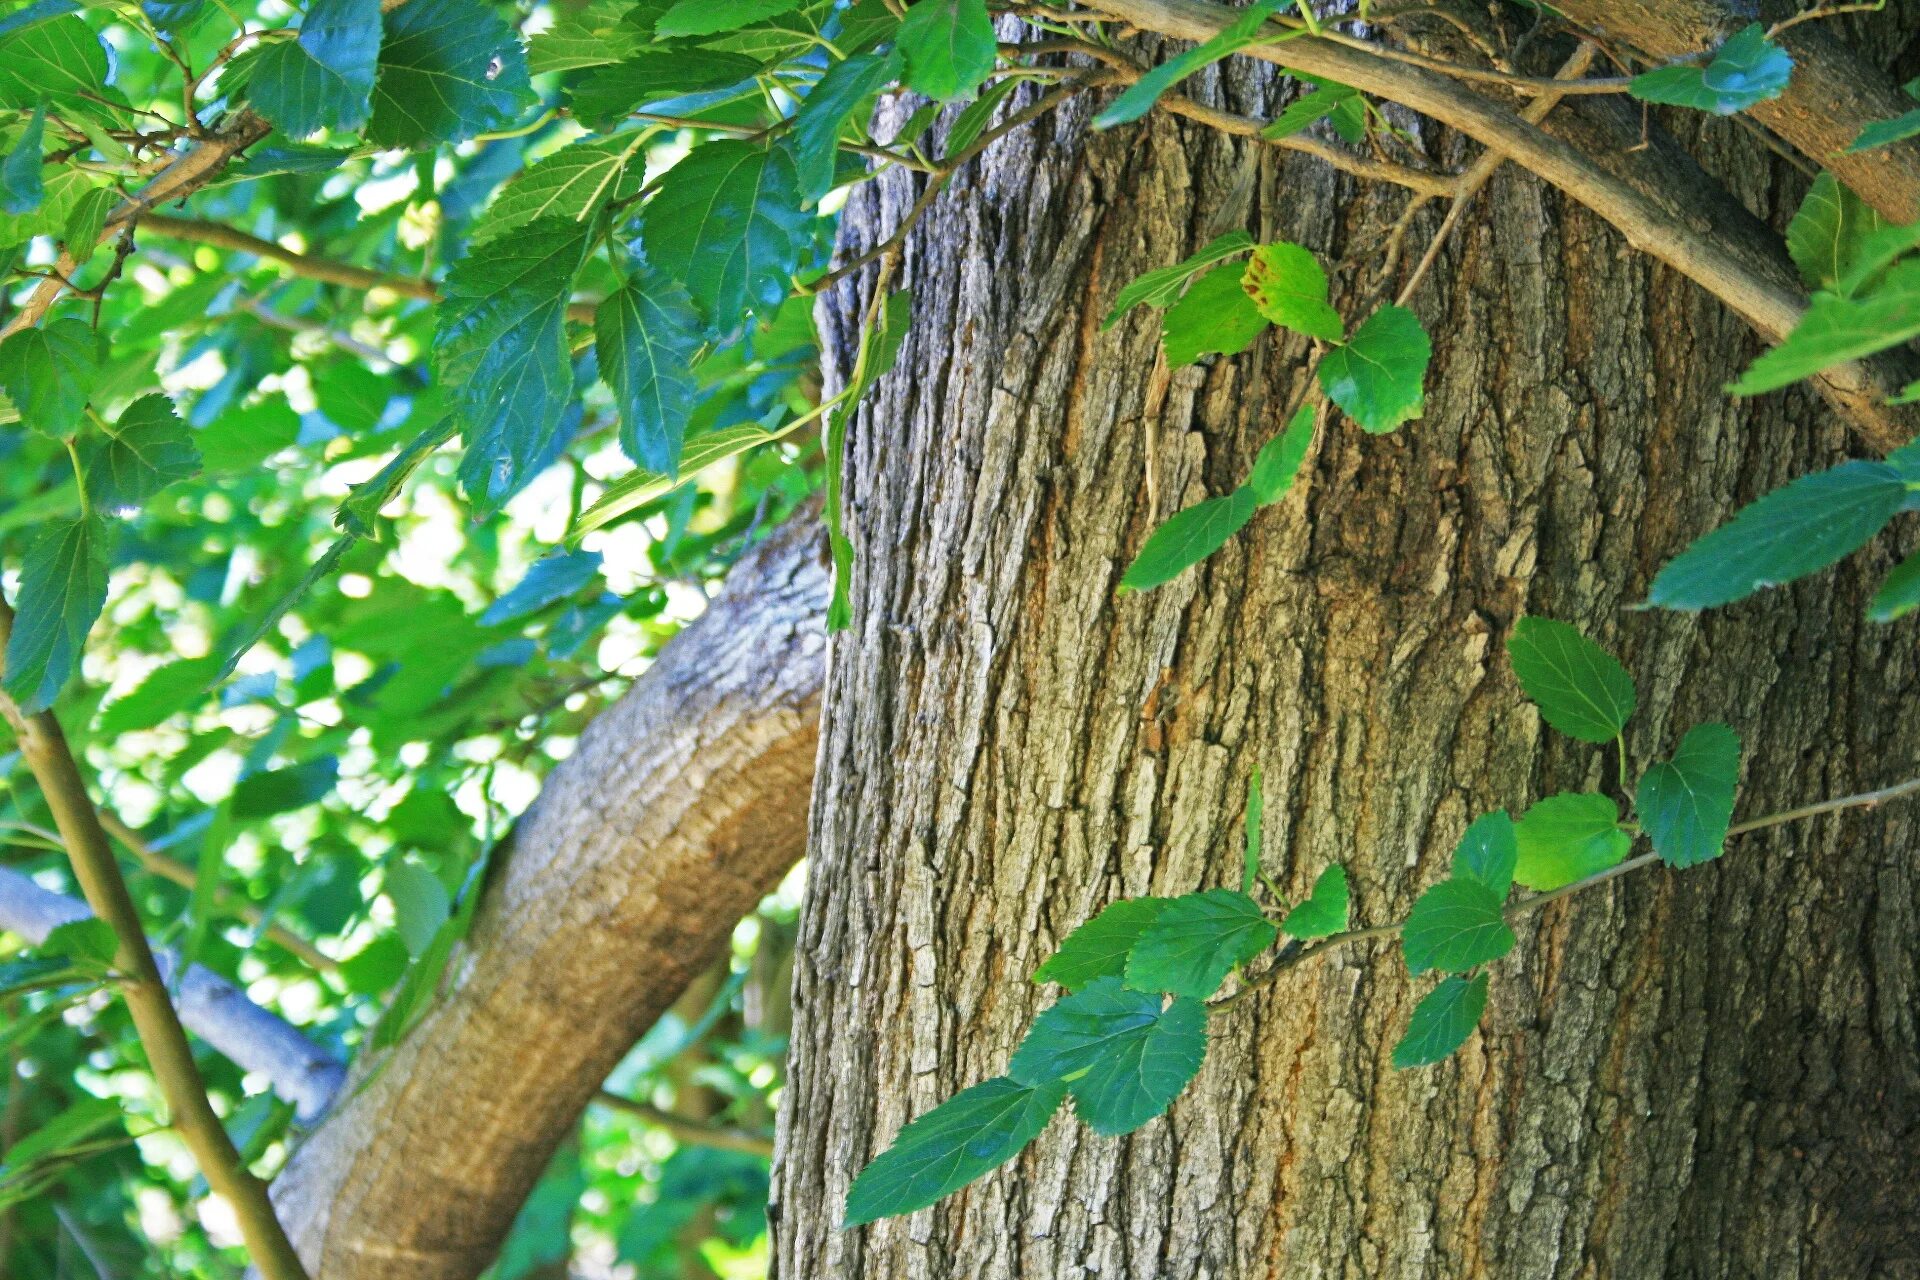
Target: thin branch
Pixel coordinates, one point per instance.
(698, 1133)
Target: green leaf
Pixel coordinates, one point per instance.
(594, 35)
(1686, 803)
(1256, 814)
(66, 189)
(63, 586)
(1899, 593)
(421, 904)
(1748, 69)
(1378, 376)
(262, 795)
(1329, 97)
(1793, 531)
(1885, 132)
(52, 58)
(1837, 329)
(970, 1134)
(1455, 926)
(1215, 316)
(80, 1120)
(166, 690)
(1196, 940)
(1098, 948)
(646, 335)
(449, 69)
(1123, 1057)
(1826, 236)
(21, 190)
(90, 941)
(1488, 852)
(324, 79)
(1187, 538)
(1162, 287)
(1325, 912)
(606, 96)
(1568, 837)
(949, 47)
(1289, 288)
(710, 17)
(148, 449)
(973, 121)
(637, 488)
(1441, 1022)
(551, 579)
(1580, 688)
(1278, 463)
(823, 116)
(573, 183)
(82, 230)
(1144, 92)
(880, 340)
(49, 372)
(727, 222)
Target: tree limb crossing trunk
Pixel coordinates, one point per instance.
(1703, 1074)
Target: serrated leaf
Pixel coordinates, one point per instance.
(1329, 97)
(970, 1134)
(1278, 463)
(1568, 837)
(574, 183)
(1122, 1056)
(1748, 69)
(1196, 940)
(1098, 948)
(1289, 287)
(49, 371)
(1686, 803)
(1793, 531)
(1441, 1022)
(607, 95)
(87, 220)
(595, 35)
(1899, 592)
(824, 113)
(50, 57)
(1378, 377)
(65, 189)
(1215, 317)
(1162, 287)
(1187, 538)
(727, 223)
(949, 47)
(1455, 926)
(90, 941)
(1326, 910)
(63, 586)
(646, 334)
(1144, 92)
(1580, 688)
(21, 190)
(449, 69)
(710, 17)
(1826, 235)
(1488, 852)
(324, 78)
(148, 449)
(1837, 328)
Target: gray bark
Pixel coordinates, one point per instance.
(1713, 1073)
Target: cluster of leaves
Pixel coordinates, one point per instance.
(1131, 1032)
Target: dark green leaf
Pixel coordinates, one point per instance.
(63, 586)
(1326, 910)
(1837, 329)
(449, 69)
(1215, 316)
(824, 114)
(1884, 132)
(972, 122)
(1196, 940)
(1378, 376)
(970, 1134)
(148, 449)
(608, 95)
(573, 183)
(1568, 837)
(949, 47)
(1899, 593)
(709, 17)
(1187, 538)
(1144, 92)
(551, 579)
(727, 222)
(1686, 803)
(1289, 288)
(1123, 1056)
(279, 790)
(49, 371)
(1441, 1022)
(1580, 688)
(1279, 460)
(84, 225)
(1455, 926)
(647, 334)
(1487, 852)
(1826, 235)
(1748, 69)
(1162, 287)
(21, 190)
(1098, 948)
(324, 79)
(593, 35)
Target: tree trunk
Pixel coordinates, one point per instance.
(1709, 1073)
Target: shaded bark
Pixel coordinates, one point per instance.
(1713, 1073)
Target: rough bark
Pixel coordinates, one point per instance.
(1702, 1074)
(677, 812)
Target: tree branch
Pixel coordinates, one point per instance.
(699, 1133)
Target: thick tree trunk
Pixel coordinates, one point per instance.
(1712, 1073)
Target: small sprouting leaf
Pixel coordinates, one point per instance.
(448, 69)
(1162, 287)
(1487, 853)
(1441, 1022)
(710, 17)
(21, 189)
(1289, 287)
(324, 78)
(63, 586)
(1187, 538)
(1279, 459)
(551, 579)
(1793, 531)
(824, 113)
(574, 182)
(1826, 235)
(1580, 688)
(1123, 1056)
(1098, 948)
(1326, 910)
(1196, 940)
(949, 47)
(1144, 92)
(1837, 328)
(1686, 803)
(148, 449)
(1455, 926)
(970, 1134)
(1748, 69)
(48, 371)
(1899, 593)
(1256, 815)
(1568, 837)
(646, 335)
(1326, 99)
(1215, 317)
(727, 222)
(1378, 377)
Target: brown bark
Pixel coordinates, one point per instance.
(679, 809)
(1703, 1074)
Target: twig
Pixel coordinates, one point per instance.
(697, 1133)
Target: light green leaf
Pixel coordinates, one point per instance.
(973, 121)
(1441, 1022)
(65, 189)
(1144, 92)
(825, 112)
(63, 586)
(50, 57)
(421, 904)
(637, 488)
(1326, 910)
(1162, 287)
(275, 791)
(1196, 940)
(165, 691)
(90, 941)
(575, 183)
(21, 190)
(1303, 111)
(87, 220)
(1215, 317)
(148, 449)
(1793, 531)
(949, 47)
(324, 78)
(1455, 926)
(1899, 593)
(1826, 235)
(646, 335)
(1837, 328)
(1123, 1057)
(1686, 803)
(1098, 948)
(595, 35)
(1568, 837)
(710, 17)
(1378, 376)
(449, 69)
(1580, 688)
(1278, 463)
(1187, 538)
(970, 1134)
(727, 222)
(1289, 288)
(1488, 852)
(1748, 69)
(49, 371)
